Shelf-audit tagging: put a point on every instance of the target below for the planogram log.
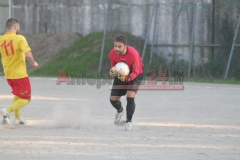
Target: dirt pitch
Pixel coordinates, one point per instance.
(76, 122)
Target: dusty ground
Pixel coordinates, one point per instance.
(67, 122)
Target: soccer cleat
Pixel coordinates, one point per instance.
(19, 122)
(128, 126)
(118, 117)
(6, 116)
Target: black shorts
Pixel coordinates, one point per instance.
(120, 88)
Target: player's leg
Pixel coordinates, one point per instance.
(15, 98)
(115, 101)
(131, 93)
(18, 119)
(22, 90)
(4, 113)
(26, 96)
(17, 112)
(130, 109)
(130, 105)
(17, 105)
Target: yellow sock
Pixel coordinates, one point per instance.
(17, 112)
(15, 98)
(16, 106)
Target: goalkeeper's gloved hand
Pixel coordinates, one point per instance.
(121, 76)
(113, 72)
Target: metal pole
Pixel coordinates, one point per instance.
(189, 26)
(9, 8)
(213, 28)
(191, 58)
(104, 37)
(194, 24)
(149, 26)
(232, 49)
(154, 35)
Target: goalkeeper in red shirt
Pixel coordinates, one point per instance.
(130, 83)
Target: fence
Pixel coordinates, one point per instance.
(192, 37)
(196, 37)
(4, 14)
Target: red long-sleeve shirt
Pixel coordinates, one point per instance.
(131, 58)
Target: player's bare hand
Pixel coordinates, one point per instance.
(35, 65)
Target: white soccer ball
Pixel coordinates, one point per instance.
(124, 67)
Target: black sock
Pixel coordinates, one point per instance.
(130, 109)
(117, 105)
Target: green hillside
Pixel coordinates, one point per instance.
(84, 56)
(82, 59)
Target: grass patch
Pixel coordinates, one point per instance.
(82, 60)
(83, 57)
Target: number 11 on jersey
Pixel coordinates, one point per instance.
(5, 45)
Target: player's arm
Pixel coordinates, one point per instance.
(113, 71)
(135, 71)
(27, 50)
(30, 58)
(133, 75)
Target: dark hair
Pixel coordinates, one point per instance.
(11, 22)
(120, 38)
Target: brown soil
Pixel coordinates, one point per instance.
(45, 47)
